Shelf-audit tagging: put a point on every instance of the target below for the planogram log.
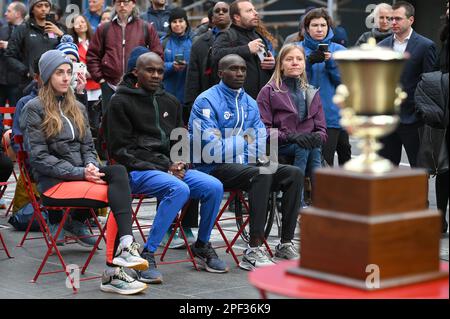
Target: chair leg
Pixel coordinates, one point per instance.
(97, 243)
(58, 253)
(4, 247)
(135, 219)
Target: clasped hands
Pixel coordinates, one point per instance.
(305, 140)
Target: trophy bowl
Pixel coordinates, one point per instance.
(371, 99)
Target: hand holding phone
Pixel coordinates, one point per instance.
(179, 58)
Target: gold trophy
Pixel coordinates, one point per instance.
(367, 213)
(372, 99)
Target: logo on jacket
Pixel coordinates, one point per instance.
(165, 114)
(226, 115)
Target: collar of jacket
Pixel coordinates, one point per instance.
(310, 91)
(229, 92)
(380, 34)
(128, 86)
(313, 44)
(185, 36)
(33, 24)
(241, 29)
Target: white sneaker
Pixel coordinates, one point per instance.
(129, 257)
(121, 283)
(255, 258)
(286, 251)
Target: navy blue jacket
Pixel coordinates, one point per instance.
(159, 19)
(422, 60)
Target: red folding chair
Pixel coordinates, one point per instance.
(245, 220)
(47, 236)
(176, 225)
(3, 187)
(7, 122)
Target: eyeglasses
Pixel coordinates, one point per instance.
(396, 19)
(219, 10)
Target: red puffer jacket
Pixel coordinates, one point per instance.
(108, 60)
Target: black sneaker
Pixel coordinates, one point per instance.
(208, 259)
(151, 275)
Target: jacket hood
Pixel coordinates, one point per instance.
(313, 44)
(128, 86)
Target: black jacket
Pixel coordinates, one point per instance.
(59, 158)
(431, 99)
(422, 60)
(139, 124)
(235, 41)
(28, 42)
(201, 74)
(7, 75)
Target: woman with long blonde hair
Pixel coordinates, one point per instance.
(56, 132)
(287, 103)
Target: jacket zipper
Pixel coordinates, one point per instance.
(68, 121)
(123, 48)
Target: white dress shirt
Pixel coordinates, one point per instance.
(401, 46)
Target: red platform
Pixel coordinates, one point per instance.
(275, 279)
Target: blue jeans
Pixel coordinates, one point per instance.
(305, 159)
(172, 193)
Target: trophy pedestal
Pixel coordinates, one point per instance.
(360, 221)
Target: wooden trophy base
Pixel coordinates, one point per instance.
(366, 227)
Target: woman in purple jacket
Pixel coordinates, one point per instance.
(287, 103)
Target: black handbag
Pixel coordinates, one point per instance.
(433, 151)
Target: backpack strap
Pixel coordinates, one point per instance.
(106, 27)
(145, 26)
(164, 42)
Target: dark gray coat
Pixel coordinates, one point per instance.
(59, 158)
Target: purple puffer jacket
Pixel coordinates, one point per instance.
(278, 111)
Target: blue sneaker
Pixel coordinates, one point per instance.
(81, 233)
(151, 275)
(53, 228)
(207, 258)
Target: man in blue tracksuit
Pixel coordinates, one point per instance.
(140, 120)
(227, 123)
(323, 73)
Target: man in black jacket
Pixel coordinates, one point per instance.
(243, 40)
(9, 79)
(31, 39)
(200, 74)
(140, 120)
(422, 59)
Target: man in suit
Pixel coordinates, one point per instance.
(422, 58)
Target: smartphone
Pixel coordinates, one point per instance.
(323, 47)
(179, 58)
(79, 68)
(50, 17)
(262, 54)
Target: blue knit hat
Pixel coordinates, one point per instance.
(67, 46)
(134, 55)
(50, 61)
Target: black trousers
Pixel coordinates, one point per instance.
(119, 200)
(107, 93)
(287, 178)
(406, 135)
(338, 141)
